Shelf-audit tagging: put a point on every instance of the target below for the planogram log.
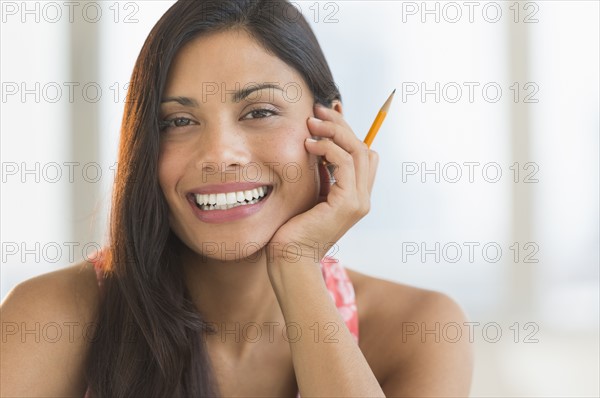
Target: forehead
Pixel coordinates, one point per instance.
(230, 57)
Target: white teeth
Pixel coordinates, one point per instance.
(231, 198)
(222, 201)
(201, 199)
(239, 196)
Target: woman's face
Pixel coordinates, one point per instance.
(234, 120)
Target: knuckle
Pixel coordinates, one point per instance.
(373, 156)
(356, 208)
(326, 143)
(347, 159)
(363, 208)
(366, 207)
(337, 130)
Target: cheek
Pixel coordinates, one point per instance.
(168, 168)
(288, 145)
(296, 165)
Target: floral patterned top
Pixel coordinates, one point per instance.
(336, 279)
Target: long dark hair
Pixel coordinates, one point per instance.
(149, 337)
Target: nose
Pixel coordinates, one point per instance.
(222, 148)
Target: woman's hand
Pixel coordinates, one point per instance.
(299, 285)
(342, 204)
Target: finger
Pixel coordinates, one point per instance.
(331, 130)
(329, 114)
(373, 164)
(344, 175)
(344, 137)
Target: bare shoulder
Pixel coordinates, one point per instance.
(75, 286)
(47, 322)
(413, 339)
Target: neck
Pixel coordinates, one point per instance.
(227, 292)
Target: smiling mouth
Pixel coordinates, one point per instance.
(229, 200)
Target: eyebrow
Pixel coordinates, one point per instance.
(185, 101)
(245, 92)
(237, 95)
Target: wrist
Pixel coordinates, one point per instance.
(295, 275)
(297, 252)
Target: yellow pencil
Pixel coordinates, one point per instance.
(370, 135)
(379, 120)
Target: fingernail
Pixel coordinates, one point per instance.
(315, 120)
(311, 140)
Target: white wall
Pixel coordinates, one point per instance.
(374, 47)
(35, 135)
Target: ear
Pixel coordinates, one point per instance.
(337, 106)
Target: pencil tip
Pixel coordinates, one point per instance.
(394, 92)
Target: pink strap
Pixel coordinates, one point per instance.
(342, 292)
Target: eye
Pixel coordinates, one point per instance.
(260, 113)
(175, 122)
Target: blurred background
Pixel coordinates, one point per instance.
(487, 187)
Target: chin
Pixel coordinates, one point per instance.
(252, 253)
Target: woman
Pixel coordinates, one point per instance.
(222, 215)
